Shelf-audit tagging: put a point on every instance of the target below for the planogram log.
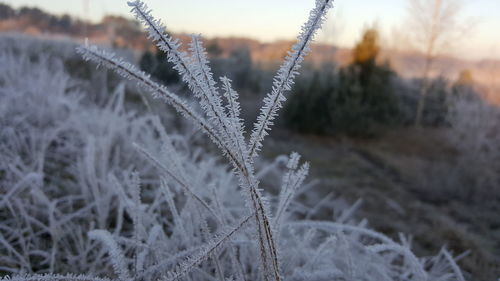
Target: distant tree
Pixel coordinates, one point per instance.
(157, 64)
(6, 12)
(35, 14)
(367, 50)
(465, 78)
(241, 69)
(308, 110)
(148, 62)
(436, 106)
(464, 87)
(365, 95)
(432, 26)
(65, 22)
(213, 48)
(356, 100)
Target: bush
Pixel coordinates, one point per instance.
(474, 131)
(437, 101)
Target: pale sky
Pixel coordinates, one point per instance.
(269, 20)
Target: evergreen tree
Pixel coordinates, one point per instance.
(157, 64)
(308, 110)
(213, 49)
(6, 12)
(356, 100)
(364, 99)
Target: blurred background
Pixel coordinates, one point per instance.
(397, 104)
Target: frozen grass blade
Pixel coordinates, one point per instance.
(284, 79)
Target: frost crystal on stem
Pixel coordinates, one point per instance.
(225, 128)
(284, 79)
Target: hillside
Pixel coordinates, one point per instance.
(126, 33)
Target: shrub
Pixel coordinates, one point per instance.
(436, 101)
(474, 131)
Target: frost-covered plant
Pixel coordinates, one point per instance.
(57, 152)
(475, 132)
(77, 198)
(223, 125)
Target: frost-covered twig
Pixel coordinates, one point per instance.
(228, 132)
(206, 251)
(117, 257)
(284, 79)
(194, 74)
(453, 264)
(291, 181)
(129, 71)
(245, 169)
(177, 179)
(194, 71)
(234, 120)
